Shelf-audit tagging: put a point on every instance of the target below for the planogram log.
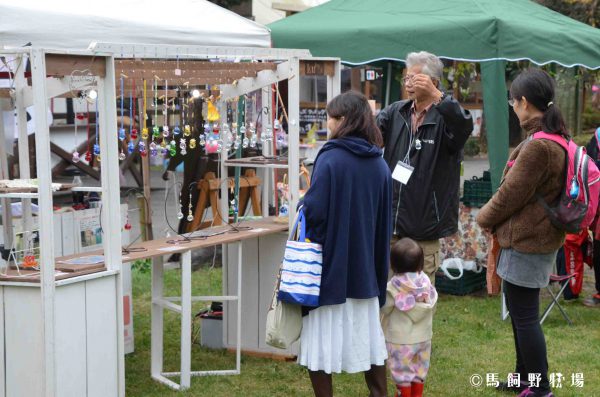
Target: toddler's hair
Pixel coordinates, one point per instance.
(406, 256)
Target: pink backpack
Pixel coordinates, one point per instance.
(576, 207)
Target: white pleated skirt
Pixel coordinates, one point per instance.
(346, 337)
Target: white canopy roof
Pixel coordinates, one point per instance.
(73, 25)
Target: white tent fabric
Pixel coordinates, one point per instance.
(73, 25)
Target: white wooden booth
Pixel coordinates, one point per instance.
(251, 260)
(63, 337)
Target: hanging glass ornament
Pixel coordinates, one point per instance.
(122, 155)
(155, 131)
(182, 143)
(180, 214)
(268, 134)
(219, 146)
(202, 140)
(144, 133)
(245, 142)
(153, 152)
(212, 112)
(187, 130)
(142, 148)
(176, 130)
(236, 144)
(225, 129)
(76, 157)
(253, 141)
(243, 130)
(98, 158)
(121, 134)
(152, 145)
(134, 134)
(276, 125)
(172, 151)
(165, 131)
(164, 151)
(88, 156)
(96, 149)
(163, 144)
(192, 143)
(130, 147)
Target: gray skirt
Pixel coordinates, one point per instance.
(525, 270)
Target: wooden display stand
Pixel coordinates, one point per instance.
(61, 328)
(209, 188)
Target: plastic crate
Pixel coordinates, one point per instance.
(468, 283)
(477, 192)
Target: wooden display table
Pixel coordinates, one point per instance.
(253, 254)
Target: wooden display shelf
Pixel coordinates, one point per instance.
(62, 272)
(165, 246)
(64, 186)
(258, 162)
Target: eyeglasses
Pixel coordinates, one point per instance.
(407, 80)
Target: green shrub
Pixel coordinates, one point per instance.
(472, 146)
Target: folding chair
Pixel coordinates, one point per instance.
(555, 278)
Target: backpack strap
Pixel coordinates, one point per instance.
(561, 140)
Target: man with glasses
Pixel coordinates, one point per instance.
(423, 141)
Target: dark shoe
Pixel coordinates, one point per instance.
(593, 301)
(503, 386)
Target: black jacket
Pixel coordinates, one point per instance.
(427, 207)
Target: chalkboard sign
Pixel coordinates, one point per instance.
(310, 116)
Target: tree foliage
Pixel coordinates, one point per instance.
(586, 11)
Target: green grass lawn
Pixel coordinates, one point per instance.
(469, 338)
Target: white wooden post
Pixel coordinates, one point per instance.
(268, 175)
(157, 330)
(42, 143)
(111, 220)
(294, 136)
(186, 319)
(23, 143)
(4, 173)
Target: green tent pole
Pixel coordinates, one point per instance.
(495, 111)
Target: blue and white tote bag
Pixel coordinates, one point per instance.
(301, 268)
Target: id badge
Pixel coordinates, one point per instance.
(402, 172)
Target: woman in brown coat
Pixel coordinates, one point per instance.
(527, 238)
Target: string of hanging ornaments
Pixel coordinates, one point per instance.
(213, 137)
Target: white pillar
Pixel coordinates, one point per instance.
(109, 176)
(42, 144)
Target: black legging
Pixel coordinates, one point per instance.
(530, 345)
(597, 264)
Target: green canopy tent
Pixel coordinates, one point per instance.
(487, 31)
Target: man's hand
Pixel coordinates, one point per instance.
(166, 175)
(424, 88)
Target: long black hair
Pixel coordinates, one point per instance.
(358, 119)
(539, 89)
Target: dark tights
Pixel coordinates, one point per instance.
(530, 345)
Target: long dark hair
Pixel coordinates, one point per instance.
(358, 120)
(539, 89)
